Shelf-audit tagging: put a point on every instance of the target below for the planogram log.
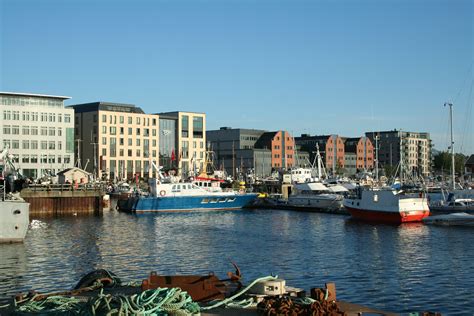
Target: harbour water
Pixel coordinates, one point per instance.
(405, 268)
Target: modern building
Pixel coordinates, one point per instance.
(116, 141)
(235, 152)
(364, 152)
(415, 148)
(331, 148)
(188, 152)
(39, 132)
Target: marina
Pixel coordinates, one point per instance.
(398, 268)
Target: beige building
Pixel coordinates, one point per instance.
(190, 140)
(116, 141)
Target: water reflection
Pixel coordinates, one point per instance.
(394, 267)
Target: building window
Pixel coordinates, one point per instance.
(113, 130)
(130, 131)
(44, 131)
(130, 120)
(130, 142)
(16, 130)
(60, 131)
(153, 132)
(104, 140)
(15, 144)
(16, 115)
(121, 120)
(184, 126)
(26, 130)
(34, 116)
(153, 122)
(60, 118)
(130, 153)
(7, 115)
(34, 130)
(44, 145)
(104, 152)
(185, 151)
(52, 117)
(138, 120)
(138, 153)
(104, 118)
(67, 118)
(197, 127)
(26, 116)
(138, 142)
(25, 159)
(26, 144)
(34, 144)
(6, 129)
(52, 145)
(121, 152)
(60, 146)
(121, 142)
(138, 131)
(52, 131)
(122, 130)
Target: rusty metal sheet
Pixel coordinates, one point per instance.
(200, 288)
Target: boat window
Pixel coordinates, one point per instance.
(214, 200)
(173, 187)
(204, 201)
(376, 198)
(231, 199)
(222, 200)
(189, 187)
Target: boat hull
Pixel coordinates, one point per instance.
(189, 203)
(14, 221)
(388, 217)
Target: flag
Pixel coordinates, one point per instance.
(173, 157)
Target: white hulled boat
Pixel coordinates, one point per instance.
(14, 211)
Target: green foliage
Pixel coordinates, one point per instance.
(442, 162)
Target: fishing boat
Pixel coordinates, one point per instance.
(387, 205)
(14, 210)
(167, 195)
(381, 203)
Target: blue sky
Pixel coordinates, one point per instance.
(317, 67)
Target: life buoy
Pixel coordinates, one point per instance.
(162, 192)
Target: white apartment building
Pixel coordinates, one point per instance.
(39, 132)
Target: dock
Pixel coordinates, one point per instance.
(63, 199)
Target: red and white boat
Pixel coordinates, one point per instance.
(387, 205)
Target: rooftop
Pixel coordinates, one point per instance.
(17, 94)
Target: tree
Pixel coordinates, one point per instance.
(442, 162)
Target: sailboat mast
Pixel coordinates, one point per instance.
(452, 143)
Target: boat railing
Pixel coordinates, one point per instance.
(66, 187)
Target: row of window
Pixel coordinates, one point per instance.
(35, 116)
(32, 130)
(32, 101)
(278, 156)
(121, 120)
(44, 159)
(33, 144)
(113, 131)
(138, 141)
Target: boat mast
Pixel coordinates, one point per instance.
(377, 158)
(401, 157)
(452, 142)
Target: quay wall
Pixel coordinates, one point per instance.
(47, 201)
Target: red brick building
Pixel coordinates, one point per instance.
(331, 148)
(363, 149)
(282, 146)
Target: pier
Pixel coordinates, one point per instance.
(63, 199)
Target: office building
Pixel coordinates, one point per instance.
(39, 132)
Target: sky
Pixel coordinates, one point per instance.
(317, 67)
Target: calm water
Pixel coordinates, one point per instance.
(404, 268)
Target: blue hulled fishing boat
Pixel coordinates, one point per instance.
(168, 197)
